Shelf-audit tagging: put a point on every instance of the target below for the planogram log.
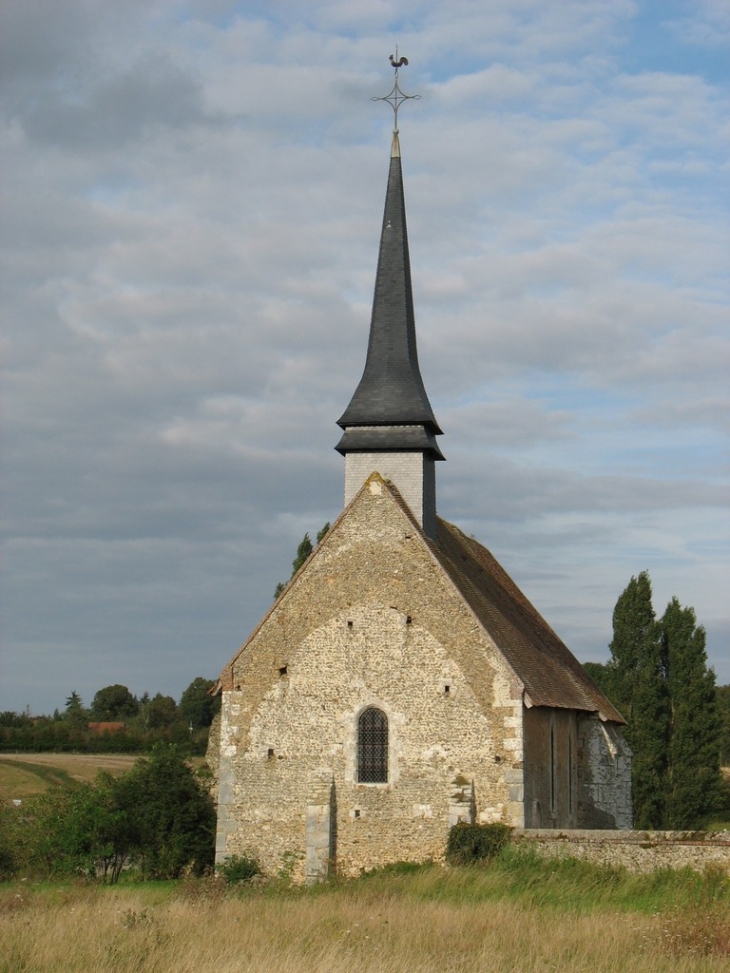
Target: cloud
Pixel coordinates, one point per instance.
(193, 196)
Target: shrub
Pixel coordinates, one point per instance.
(470, 843)
(240, 868)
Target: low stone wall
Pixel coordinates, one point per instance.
(639, 851)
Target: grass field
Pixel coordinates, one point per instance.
(23, 775)
(507, 918)
(517, 915)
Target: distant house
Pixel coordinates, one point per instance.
(107, 727)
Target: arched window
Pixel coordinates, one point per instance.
(372, 747)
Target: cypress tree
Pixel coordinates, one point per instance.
(639, 667)
(694, 783)
(303, 551)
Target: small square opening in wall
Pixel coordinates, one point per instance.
(270, 754)
(349, 623)
(446, 689)
(283, 670)
(356, 812)
(408, 619)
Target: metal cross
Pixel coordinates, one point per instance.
(395, 96)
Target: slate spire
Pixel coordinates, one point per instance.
(391, 394)
(389, 425)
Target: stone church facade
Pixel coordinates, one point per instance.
(402, 682)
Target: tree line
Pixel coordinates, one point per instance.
(678, 720)
(146, 721)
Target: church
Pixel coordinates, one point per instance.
(402, 682)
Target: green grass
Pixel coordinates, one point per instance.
(562, 885)
(516, 875)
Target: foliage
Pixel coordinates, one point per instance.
(9, 858)
(303, 552)
(239, 868)
(471, 843)
(147, 722)
(693, 754)
(659, 679)
(114, 703)
(603, 676)
(75, 714)
(640, 692)
(159, 711)
(171, 818)
(157, 814)
(197, 706)
(723, 708)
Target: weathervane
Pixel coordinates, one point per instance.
(395, 96)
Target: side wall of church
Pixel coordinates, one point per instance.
(604, 776)
(551, 768)
(577, 771)
(370, 622)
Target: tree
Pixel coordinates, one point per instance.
(659, 679)
(723, 706)
(169, 816)
(640, 692)
(197, 706)
(114, 703)
(160, 711)
(602, 675)
(694, 782)
(303, 551)
(75, 714)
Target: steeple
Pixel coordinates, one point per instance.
(389, 425)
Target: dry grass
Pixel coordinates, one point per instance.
(359, 928)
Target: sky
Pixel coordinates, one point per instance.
(192, 198)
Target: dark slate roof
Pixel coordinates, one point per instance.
(551, 674)
(373, 439)
(391, 390)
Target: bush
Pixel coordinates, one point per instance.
(471, 843)
(158, 815)
(8, 844)
(240, 868)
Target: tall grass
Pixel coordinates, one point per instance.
(517, 915)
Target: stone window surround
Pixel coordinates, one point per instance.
(351, 721)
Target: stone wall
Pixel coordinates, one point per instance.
(604, 776)
(639, 851)
(371, 621)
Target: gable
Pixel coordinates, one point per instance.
(376, 554)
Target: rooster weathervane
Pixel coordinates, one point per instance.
(395, 96)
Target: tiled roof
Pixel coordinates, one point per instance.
(551, 674)
(374, 439)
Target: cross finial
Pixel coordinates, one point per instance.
(395, 96)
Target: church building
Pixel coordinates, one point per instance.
(402, 682)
